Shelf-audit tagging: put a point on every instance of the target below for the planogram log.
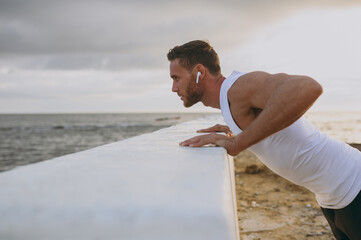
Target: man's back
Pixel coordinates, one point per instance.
(305, 156)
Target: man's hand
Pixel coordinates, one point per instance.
(218, 128)
(228, 142)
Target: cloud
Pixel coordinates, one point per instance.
(82, 90)
(97, 56)
(63, 84)
(323, 44)
(124, 34)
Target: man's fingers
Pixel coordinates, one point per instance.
(201, 140)
(187, 142)
(210, 129)
(215, 128)
(217, 139)
(191, 141)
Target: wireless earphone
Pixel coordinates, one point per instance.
(198, 74)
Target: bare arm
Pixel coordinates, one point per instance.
(282, 98)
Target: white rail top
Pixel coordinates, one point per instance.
(143, 188)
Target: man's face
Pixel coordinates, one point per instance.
(184, 84)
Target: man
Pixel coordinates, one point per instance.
(264, 111)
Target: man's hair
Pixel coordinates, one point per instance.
(195, 52)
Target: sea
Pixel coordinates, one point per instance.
(30, 138)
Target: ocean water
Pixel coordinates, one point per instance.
(29, 138)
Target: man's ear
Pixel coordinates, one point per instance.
(200, 72)
(198, 75)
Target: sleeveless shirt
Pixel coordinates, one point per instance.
(303, 155)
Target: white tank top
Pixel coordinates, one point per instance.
(302, 154)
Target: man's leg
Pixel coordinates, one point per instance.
(345, 222)
(330, 217)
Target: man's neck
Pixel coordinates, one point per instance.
(212, 91)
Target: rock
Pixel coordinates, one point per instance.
(314, 234)
(259, 223)
(252, 169)
(254, 204)
(243, 203)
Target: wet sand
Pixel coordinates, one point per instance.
(270, 207)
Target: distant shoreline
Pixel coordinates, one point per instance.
(206, 111)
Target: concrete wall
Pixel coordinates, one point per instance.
(145, 187)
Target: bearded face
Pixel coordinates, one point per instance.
(192, 94)
(184, 84)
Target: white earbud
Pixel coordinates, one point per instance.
(198, 74)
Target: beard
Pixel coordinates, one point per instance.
(194, 94)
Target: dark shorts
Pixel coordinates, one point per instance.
(345, 223)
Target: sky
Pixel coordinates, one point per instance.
(110, 56)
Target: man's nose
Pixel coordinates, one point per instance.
(174, 87)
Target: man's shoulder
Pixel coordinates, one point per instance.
(255, 75)
(247, 83)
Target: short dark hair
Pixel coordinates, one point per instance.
(195, 52)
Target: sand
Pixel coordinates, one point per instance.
(270, 207)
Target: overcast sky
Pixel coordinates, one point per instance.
(110, 56)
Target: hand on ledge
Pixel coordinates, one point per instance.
(226, 141)
(218, 128)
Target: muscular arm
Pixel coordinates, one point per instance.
(283, 99)
(280, 98)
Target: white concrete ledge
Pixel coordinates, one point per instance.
(145, 187)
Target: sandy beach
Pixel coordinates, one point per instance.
(270, 207)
